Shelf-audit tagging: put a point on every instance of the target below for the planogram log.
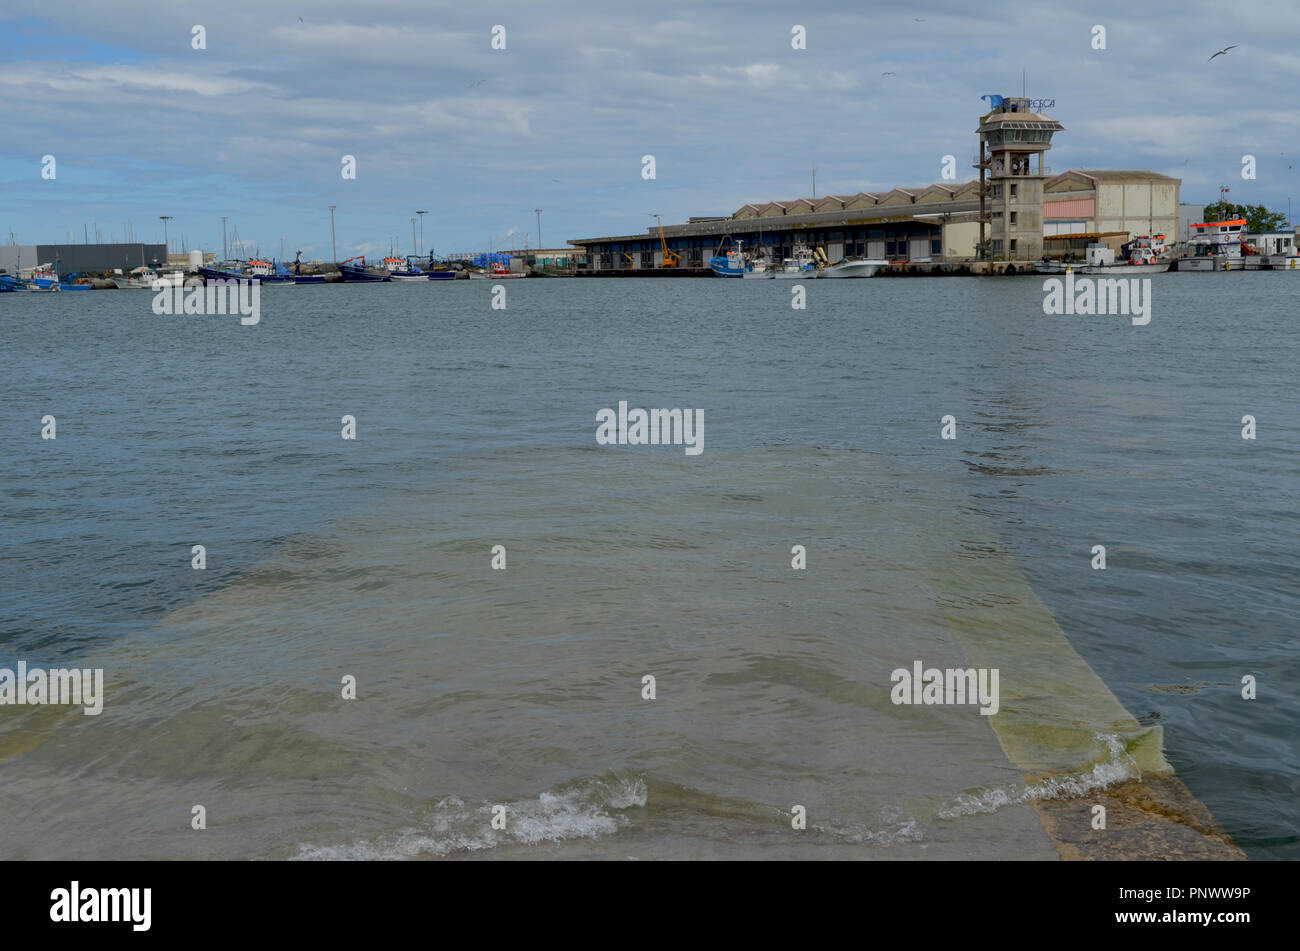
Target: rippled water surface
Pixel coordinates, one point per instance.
(523, 688)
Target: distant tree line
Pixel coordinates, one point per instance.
(1258, 218)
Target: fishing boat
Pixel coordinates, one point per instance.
(140, 278)
(264, 272)
(1217, 247)
(859, 267)
(75, 282)
(732, 263)
(497, 272)
(1273, 251)
(441, 273)
(1142, 255)
(359, 273)
(404, 270)
(35, 288)
(802, 265)
(43, 276)
(8, 283)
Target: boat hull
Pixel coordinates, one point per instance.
(1118, 269)
(309, 279)
(800, 275)
(442, 275)
(854, 269)
(756, 275)
(720, 267)
(357, 275)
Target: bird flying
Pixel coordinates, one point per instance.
(1224, 51)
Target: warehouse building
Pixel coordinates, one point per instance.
(1016, 211)
(82, 258)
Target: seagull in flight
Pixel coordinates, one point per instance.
(476, 83)
(1224, 51)
(889, 74)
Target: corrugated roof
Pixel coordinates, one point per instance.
(1112, 175)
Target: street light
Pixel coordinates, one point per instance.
(421, 214)
(416, 249)
(166, 246)
(333, 243)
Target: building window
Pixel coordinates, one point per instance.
(1013, 245)
(1013, 217)
(936, 246)
(997, 245)
(997, 191)
(1013, 191)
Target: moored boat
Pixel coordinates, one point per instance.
(359, 273)
(802, 265)
(75, 282)
(730, 264)
(1142, 255)
(404, 270)
(1217, 247)
(862, 267)
(140, 278)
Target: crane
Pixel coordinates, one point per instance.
(670, 259)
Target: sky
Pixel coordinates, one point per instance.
(254, 127)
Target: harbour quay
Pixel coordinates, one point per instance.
(1015, 213)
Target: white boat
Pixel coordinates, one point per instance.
(140, 278)
(1270, 251)
(1142, 255)
(802, 266)
(1216, 248)
(756, 267)
(859, 268)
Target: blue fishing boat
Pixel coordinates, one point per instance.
(73, 282)
(265, 272)
(359, 273)
(730, 264)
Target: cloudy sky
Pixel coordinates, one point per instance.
(254, 127)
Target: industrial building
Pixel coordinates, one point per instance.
(82, 258)
(1016, 211)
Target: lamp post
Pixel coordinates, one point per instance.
(421, 248)
(333, 243)
(415, 249)
(539, 228)
(166, 246)
(225, 254)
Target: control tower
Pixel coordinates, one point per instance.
(1011, 181)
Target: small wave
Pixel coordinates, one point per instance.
(1119, 767)
(584, 811)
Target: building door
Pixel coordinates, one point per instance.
(918, 249)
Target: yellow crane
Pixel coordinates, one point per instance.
(670, 258)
